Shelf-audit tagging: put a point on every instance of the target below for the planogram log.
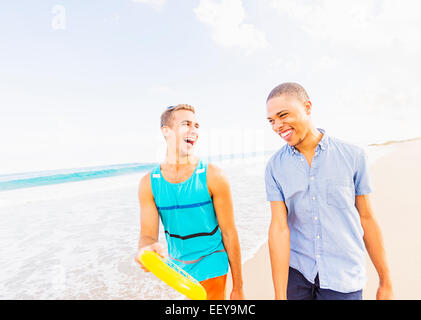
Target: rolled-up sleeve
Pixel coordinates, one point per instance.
(361, 177)
(273, 189)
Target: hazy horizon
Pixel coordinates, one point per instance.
(84, 84)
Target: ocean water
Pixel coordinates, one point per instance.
(43, 178)
(76, 239)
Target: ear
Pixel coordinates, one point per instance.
(165, 131)
(308, 106)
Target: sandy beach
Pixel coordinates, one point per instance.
(77, 240)
(397, 205)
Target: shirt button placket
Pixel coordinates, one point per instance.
(313, 196)
(318, 246)
(317, 240)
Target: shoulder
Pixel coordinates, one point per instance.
(215, 173)
(216, 178)
(146, 179)
(346, 147)
(214, 169)
(353, 154)
(145, 183)
(277, 156)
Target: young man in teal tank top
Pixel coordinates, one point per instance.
(193, 200)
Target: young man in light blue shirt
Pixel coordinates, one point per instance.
(322, 221)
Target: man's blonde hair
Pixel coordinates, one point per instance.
(167, 115)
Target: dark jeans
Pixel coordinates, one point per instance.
(299, 288)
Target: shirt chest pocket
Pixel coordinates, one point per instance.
(340, 194)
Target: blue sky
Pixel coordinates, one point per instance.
(84, 82)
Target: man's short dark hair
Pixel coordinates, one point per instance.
(290, 88)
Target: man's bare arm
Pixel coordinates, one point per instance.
(220, 192)
(279, 246)
(373, 240)
(149, 220)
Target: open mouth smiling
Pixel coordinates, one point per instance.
(190, 140)
(286, 134)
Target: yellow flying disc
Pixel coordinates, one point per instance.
(173, 275)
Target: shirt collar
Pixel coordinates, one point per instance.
(322, 143)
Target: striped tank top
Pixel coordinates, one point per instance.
(191, 227)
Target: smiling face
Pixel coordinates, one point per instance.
(289, 117)
(182, 133)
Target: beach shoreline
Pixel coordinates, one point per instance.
(77, 240)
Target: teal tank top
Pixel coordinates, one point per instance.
(191, 227)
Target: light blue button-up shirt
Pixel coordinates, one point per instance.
(325, 227)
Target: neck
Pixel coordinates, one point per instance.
(310, 141)
(178, 160)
